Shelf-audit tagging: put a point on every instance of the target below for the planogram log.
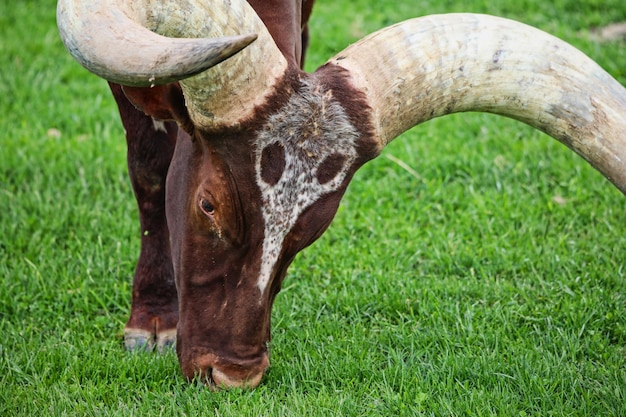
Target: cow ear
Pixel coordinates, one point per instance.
(164, 102)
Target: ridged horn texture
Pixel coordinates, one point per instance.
(441, 64)
(146, 43)
(94, 34)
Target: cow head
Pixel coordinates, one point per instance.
(241, 204)
(265, 151)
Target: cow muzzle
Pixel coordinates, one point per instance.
(218, 374)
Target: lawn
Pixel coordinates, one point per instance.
(476, 268)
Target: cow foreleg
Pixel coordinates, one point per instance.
(154, 310)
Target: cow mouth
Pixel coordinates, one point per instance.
(221, 380)
(216, 374)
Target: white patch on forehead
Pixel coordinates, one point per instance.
(310, 128)
(159, 125)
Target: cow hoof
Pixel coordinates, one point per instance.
(166, 340)
(139, 340)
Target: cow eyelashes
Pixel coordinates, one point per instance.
(207, 207)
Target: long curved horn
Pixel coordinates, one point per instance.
(437, 65)
(146, 42)
(88, 32)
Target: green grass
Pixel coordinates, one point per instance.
(487, 279)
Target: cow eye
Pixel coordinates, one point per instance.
(206, 206)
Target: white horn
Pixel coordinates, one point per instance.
(145, 43)
(437, 65)
(105, 40)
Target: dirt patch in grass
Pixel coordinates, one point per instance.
(612, 32)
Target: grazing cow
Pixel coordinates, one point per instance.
(261, 153)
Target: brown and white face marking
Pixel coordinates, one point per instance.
(159, 125)
(312, 145)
